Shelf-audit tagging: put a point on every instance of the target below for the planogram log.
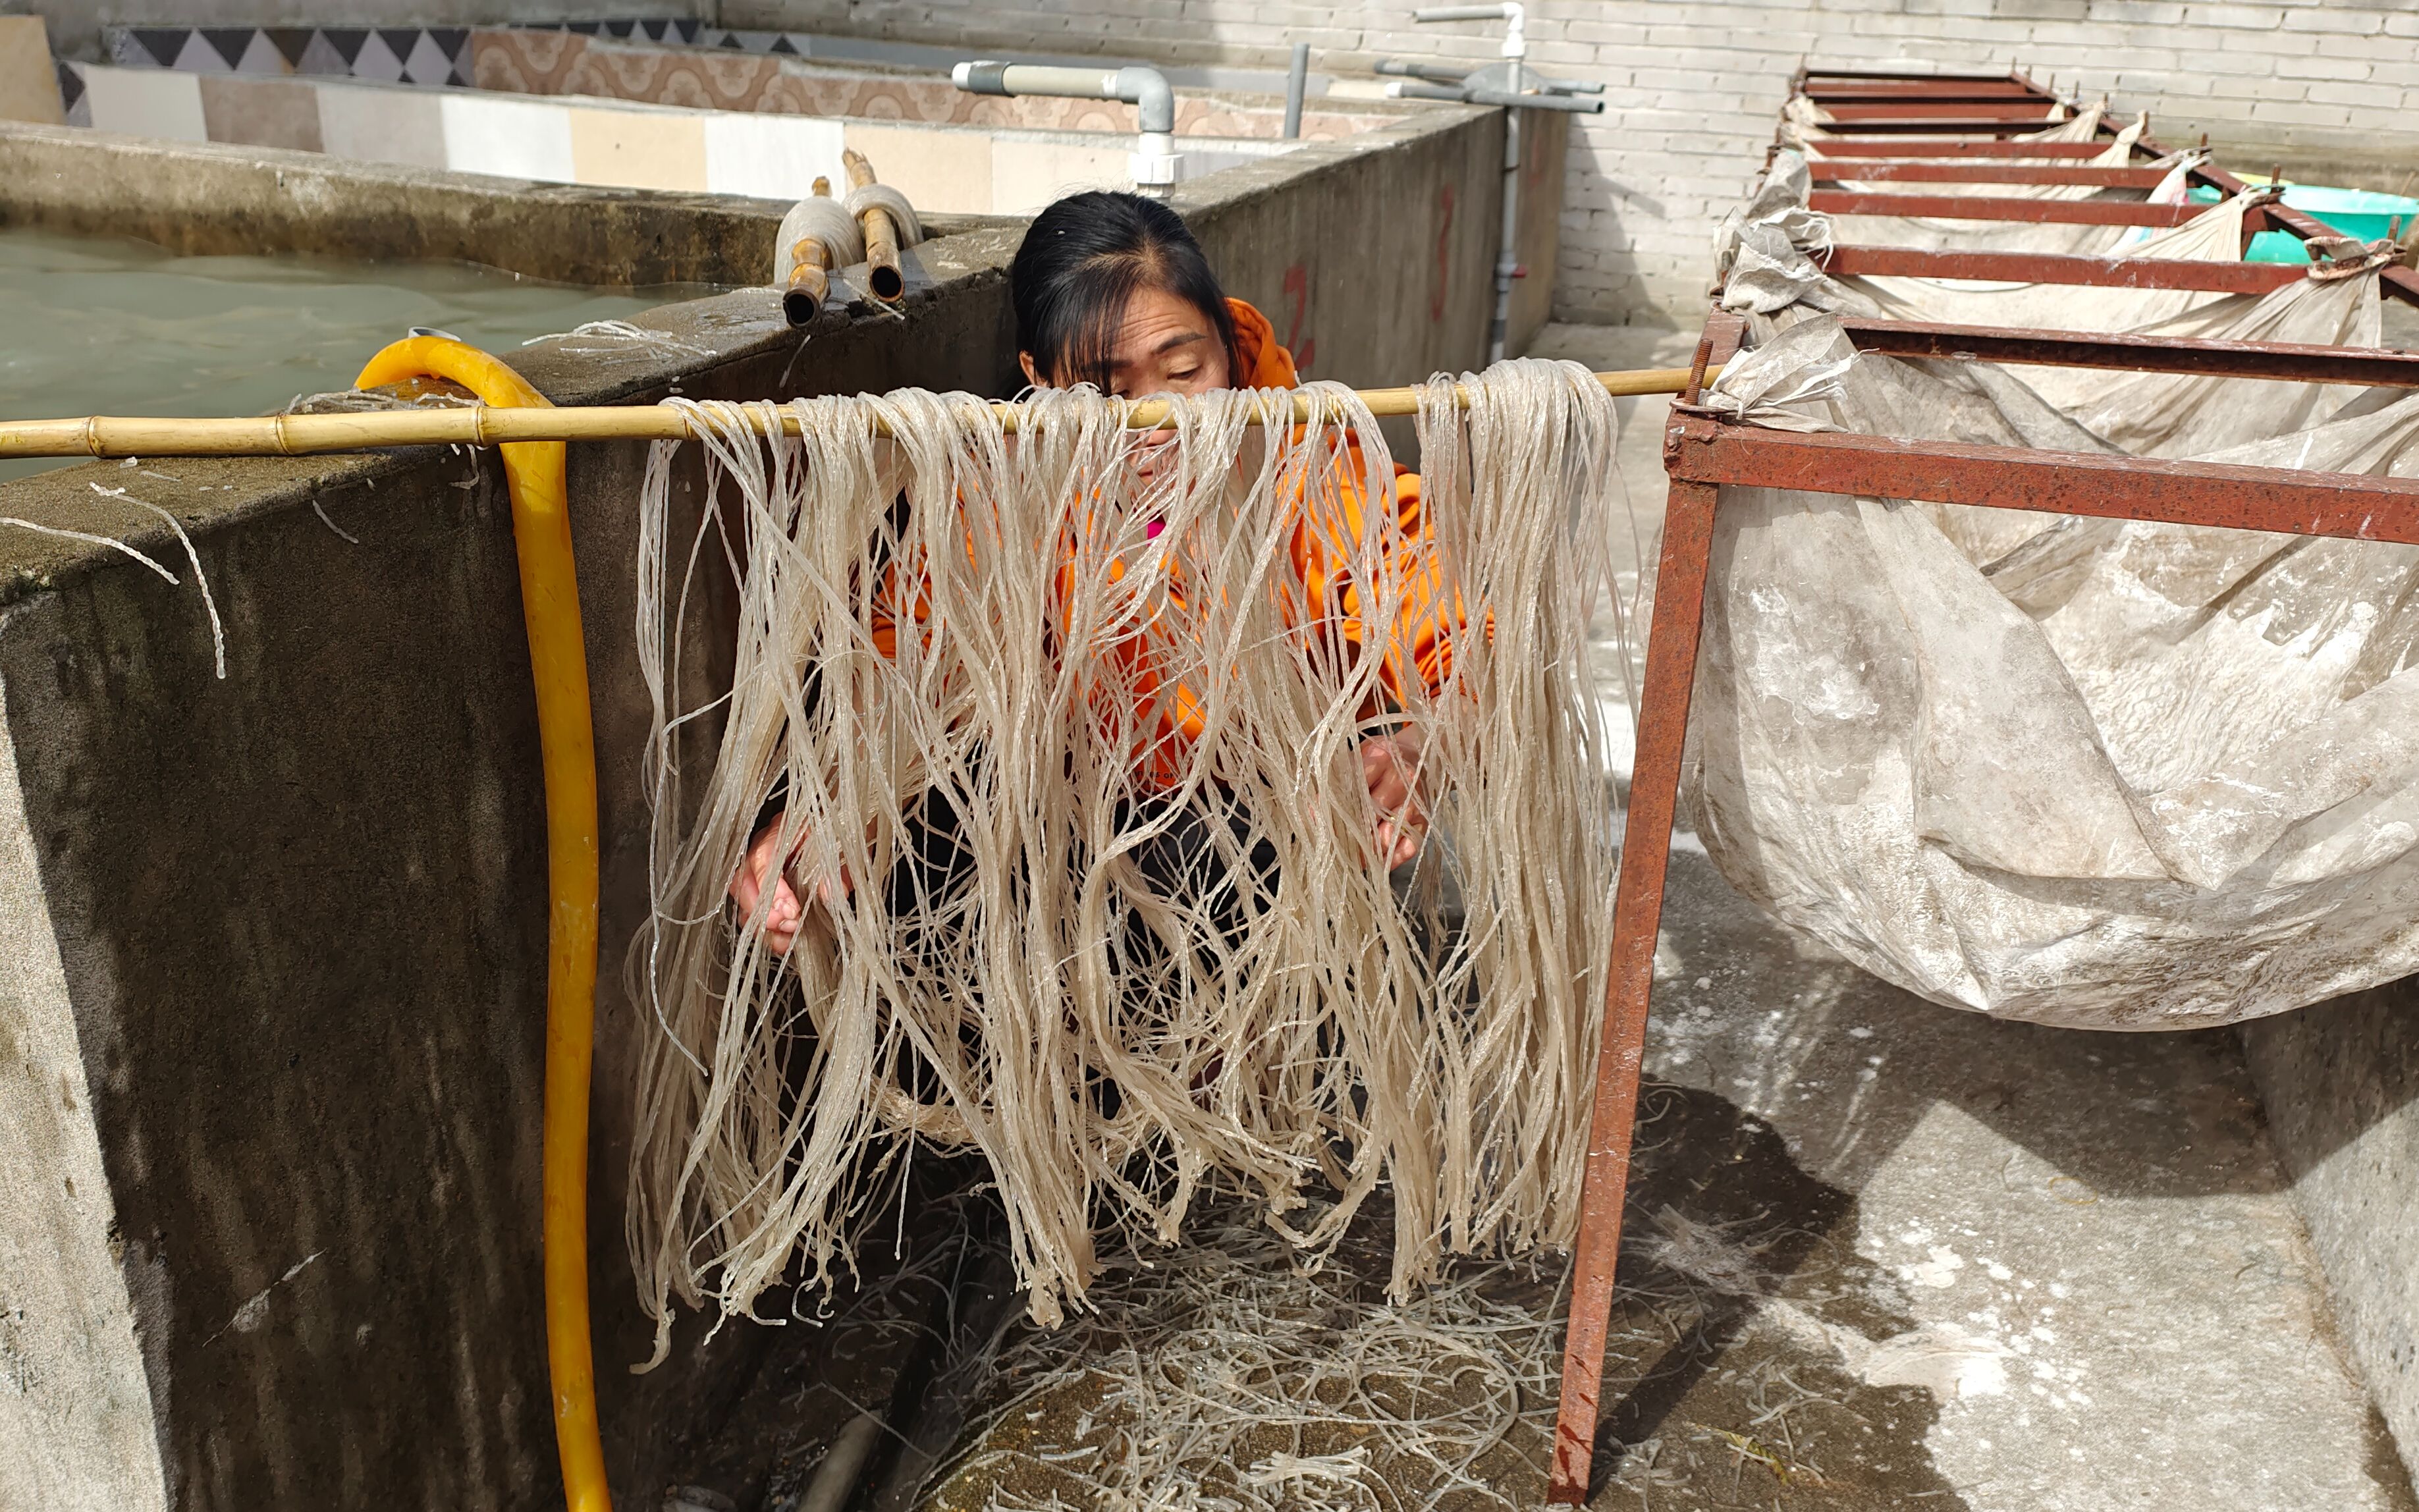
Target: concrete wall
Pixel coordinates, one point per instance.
(1693, 85)
(76, 24)
(271, 1021)
(1426, 189)
(944, 169)
(204, 200)
(1376, 279)
(290, 89)
(2340, 1083)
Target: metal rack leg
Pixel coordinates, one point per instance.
(1638, 910)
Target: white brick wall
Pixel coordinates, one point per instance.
(1692, 85)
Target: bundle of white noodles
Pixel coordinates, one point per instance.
(1106, 1040)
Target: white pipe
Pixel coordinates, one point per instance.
(1297, 83)
(1515, 40)
(1153, 167)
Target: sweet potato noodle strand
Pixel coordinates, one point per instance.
(1009, 962)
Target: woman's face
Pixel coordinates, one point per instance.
(1166, 345)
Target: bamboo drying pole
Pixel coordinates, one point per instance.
(881, 237)
(483, 425)
(809, 275)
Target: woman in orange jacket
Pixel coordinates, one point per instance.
(1111, 289)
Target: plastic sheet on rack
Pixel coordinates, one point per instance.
(2118, 154)
(1769, 252)
(2214, 236)
(2090, 772)
(1942, 232)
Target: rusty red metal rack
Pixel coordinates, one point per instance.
(1907, 123)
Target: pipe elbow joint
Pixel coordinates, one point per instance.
(1147, 90)
(983, 76)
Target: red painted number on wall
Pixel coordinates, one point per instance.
(1297, 291)
(1443, 256)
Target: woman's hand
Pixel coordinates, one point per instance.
(763, 863)
(1390, 764)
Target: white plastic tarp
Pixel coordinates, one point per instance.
(2073, 770)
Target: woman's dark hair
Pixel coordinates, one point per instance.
(1083, 261)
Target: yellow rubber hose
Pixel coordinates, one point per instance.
(567, 748)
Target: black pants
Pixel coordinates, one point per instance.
(1182, 863)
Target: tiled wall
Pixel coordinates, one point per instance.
(385, 54)
(941, 167)
(531, 60)
(678, 63)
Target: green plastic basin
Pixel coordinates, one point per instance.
(2355, 212)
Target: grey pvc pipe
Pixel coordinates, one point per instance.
(1511, 101)
(1432, 73)
(1297, 82)
(1507, 254)
(1147, 89)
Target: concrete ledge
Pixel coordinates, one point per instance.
(201, 199)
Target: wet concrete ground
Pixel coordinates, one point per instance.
(1885, 1255)
(2077, 1246)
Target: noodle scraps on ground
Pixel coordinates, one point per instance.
(1221, 1375)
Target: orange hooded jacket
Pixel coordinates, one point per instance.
(1418, 644)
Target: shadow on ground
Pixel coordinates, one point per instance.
(1878, 1254)
(1745, 1265)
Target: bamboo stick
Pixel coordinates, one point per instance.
(881, 237)
(487, 425)
(810, 279)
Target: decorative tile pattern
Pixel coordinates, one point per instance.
(319, 57)
(453, 44)
(290, 42)
(434, 55)
(674, 30)
(377, 60)
(761, 72)
(201, 55)
(229, 43)
(665, 61)
(145, 48)
(573, 63)
(261, 55)
(427, 61)
(346, 42)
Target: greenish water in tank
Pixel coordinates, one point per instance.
(2355, 212)
(111, 326)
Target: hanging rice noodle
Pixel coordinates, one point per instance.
(1073, 756)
